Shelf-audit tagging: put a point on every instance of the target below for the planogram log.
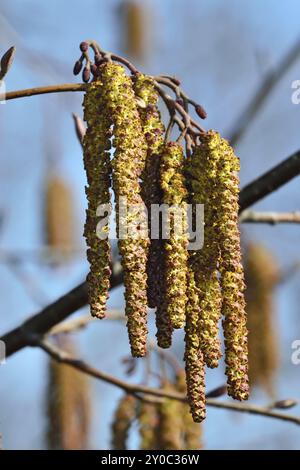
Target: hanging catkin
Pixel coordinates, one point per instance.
(176, 255)
(170, 422)
(262, 274)
(231, 269)
(124, 415)
(148, 424)
(96, 146)
(191, 431)
(68, 405)
(128, 165)
(194, 363)
(201, 170)
(135, 27)
(151, 192)
(59, 218)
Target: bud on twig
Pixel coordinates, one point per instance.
(217, 392)
(86, 75)
(77, 67)
(201, 111)
(84, 46)
(284, 404)
(6, 61)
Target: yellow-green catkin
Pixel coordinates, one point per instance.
(96, 145)
(201, 169)
(68, 405)
(176, 255)
(151, 192)
(59, 220)
(193, 357)
(231, 269)
(124, 416)
(191, 432)
(262, 275)
(128, 164)
(170, 422)
(135, 28)
(148, 419)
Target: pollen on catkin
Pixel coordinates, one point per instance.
(201, 169)
(96, 145)
(230, 266)
(128, 164)
(193, 357)
(262, 275)
(176, 255)
(124, 415)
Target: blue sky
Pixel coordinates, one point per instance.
(221, 50)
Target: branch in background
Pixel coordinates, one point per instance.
(80, 128)
(137, 390)
(11, 95)
(262, 94)
(270, 217)
(84, 320)
(270, 181)
(58, 311)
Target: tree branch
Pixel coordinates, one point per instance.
(63, 357)
(270, 217)
(270, 181)
(11, 95)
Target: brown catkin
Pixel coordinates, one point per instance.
(96, 145)
(151, 192)
(194, 363)
(191, 431)
(231, 269)
(201, 169)
(59, 216)
(170, 422)
(148, 418)
(124, 416)
(128, 165)
(262, 275)
(135, 28)
(176, 255)
(68, 405)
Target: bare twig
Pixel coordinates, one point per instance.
(270, 217)
(137, 390)
(263, 92)
(83, 321)
(12, 95)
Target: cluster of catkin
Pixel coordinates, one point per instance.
(161, 426)
(189, 289)
(262, 275)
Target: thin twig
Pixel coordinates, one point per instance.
(63, 357)
(12, 95)
(271, 218)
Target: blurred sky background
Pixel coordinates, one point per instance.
(221, 50)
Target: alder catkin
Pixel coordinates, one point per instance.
(59, 220)
(124, 415)
(201, 169)
(193, 357)
(148, 419)
(96, 145)
(68, 405)
(176, 255)
(191, 431)
(151, 192)
(128, 164)
(170, 422)
(262, 275)
(231, 269)
(135, 28)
